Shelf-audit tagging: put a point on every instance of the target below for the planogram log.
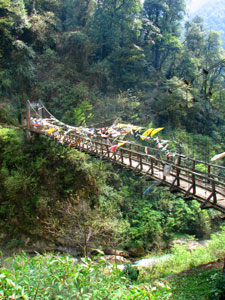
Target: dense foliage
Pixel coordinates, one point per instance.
(101, 59)
(54, 277)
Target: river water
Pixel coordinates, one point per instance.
(148, 262)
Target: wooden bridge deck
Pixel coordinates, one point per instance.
(184, 177)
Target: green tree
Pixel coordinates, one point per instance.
(165, 15)
(113, 25)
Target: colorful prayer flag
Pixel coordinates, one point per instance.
(218, 156)
(146, 133)
(156, 131)
(169, 154)
(166, 170)
(113, 148)
(147, 190)
(51, 130)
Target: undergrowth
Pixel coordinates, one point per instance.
(182, 259)
(57, 277)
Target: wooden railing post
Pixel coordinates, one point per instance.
(208, 171)
(152, 168)
(28, 115)
(96, 148)
(121, 154)
(102, 149)
(214, 192)
(193, 178)
(141, 166)
(130, 159)
(178, 170)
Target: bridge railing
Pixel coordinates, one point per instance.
(210, 170)
(184, 174)
(141, 160)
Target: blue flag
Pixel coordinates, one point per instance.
(147, 190)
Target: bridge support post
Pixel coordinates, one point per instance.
(213, 194)
(28, 135)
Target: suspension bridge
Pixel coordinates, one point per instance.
(180, 173)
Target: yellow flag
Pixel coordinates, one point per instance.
(51, 130)
(121, 125)
(156, 131)
(121, 144)
(146, 133)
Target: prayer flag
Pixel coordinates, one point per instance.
(146, 133)
(164, 148)
(144, 137)
(121, 144)
(35, 123)
(113, 148)
(159, 145)
(147, 190)
(169, 154)
(163, 142)
(166, 170)
(153, 132)
(51, 130)
(218, 156)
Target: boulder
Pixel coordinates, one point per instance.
(115, 259)
(116, 252)
(136, 252)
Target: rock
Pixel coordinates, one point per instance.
(136, 252)
(40, 246)
(179, 242)
(25, 239)
(115, 259)
(3, 236)
(189, 244)
(75, 260)
(67, 250)
(116, 252)
(204, 243)
(193, 245)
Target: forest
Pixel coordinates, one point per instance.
(91, 62)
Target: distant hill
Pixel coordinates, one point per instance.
(213, 13)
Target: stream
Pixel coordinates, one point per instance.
(149, 262)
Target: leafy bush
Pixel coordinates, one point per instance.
(182, 259)
(56, 277)
(218, 293)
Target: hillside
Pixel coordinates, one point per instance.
(213, 13)
(92, 62)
